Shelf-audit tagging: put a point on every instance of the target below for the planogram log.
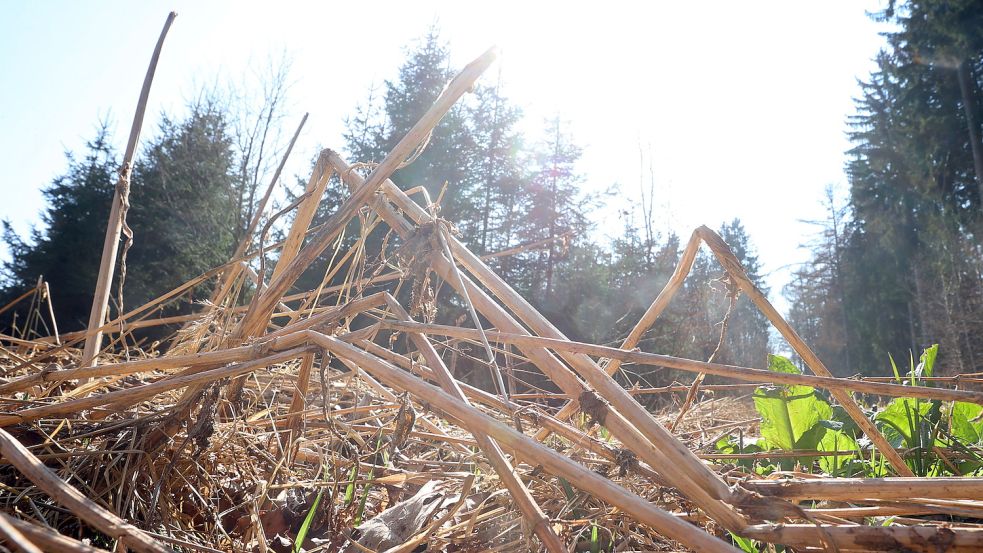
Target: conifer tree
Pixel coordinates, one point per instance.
(184, 210)
(183, 217)
(556, 207)
(444, 158)
(64, 250)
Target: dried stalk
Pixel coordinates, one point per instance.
(927, 539)
(259, 312)
(13, 536)
(530, 450)
(66, 495)
(534, 515)
(44, 537)
(676, 462)
(100, 300)
(229, 277)
(762, 376)
(129, 396)
(844, 489)
(739, 277)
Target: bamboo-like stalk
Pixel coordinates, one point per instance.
(107, 266)
(926, 539)
(472, 393)
(260, 286)
(674, 461)
(51, 313)
(842, 489)
(117, 325)
(531, 451)
(129, 396)
(327, 317)
(533, 514)
(636, 416)
(72, 338)
(907, 507)
(333, 314)
(739, 277)
(529, 246)
(463, 290)
(490, 400)
(259, 312)
(219, 357)
(69, 497)
(672, 389)
(12, 535)
(385, 394)
(651, 314)
(580, 439)
(44, 537)
(18, 299)
(299, 401)
(762, 376)
(303, 217)
(229, 277)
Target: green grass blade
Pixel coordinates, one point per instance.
(308, 520)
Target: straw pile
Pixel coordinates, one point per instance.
(331, 420)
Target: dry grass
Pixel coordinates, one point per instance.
(275, 419)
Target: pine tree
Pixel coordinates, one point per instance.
(65, 251)
(746, 341)
(817, 293)
(496, 179)
(445, 155)
(556, 210)
(912, 257)
(184, 210)
(183, 217)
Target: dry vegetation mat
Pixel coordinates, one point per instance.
(333, 419)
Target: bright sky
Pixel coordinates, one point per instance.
(742, 106)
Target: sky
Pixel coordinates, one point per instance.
(739, 108)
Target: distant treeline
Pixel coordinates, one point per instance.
(900, 265)
(894, 269)
(196, 184)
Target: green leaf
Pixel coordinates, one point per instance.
(926, 363)
(810, 439)
(835, 440)
(790, 416)
(765, 470)
(365, 496)
(894, 368)
(846, 422)
(350, 489)
(779, 364)
(911, 364)
(901, 420)
(966, 424)
(734, 444)
(567, 489)
(747, 545)
(306, 525)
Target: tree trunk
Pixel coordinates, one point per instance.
(966, 85)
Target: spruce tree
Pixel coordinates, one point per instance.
(555, 210)
(65, 249)
(912, 260)
(445, 155)
(183, 217)
(184, 203)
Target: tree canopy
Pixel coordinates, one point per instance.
(523, 201)
(902, 268)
